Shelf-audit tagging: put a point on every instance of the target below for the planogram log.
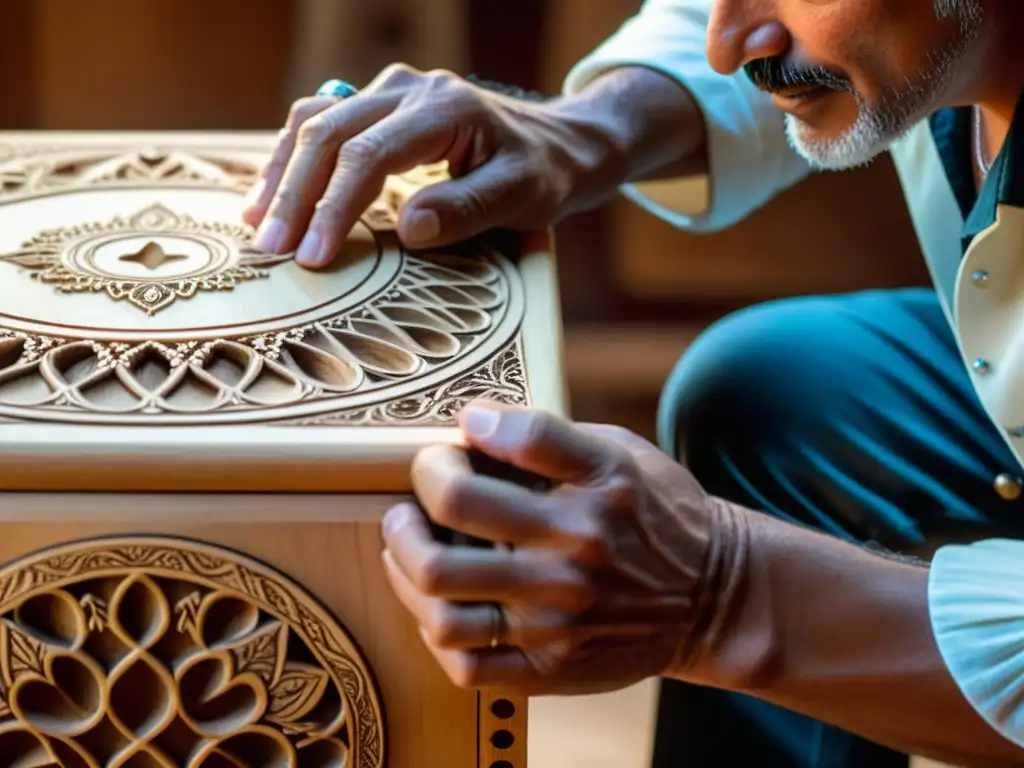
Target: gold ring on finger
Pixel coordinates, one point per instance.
(499, 625)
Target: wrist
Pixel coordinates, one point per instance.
(597, 141)
(633, 124)
(720, 595)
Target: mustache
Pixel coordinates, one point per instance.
(774, 74)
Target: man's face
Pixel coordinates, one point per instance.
(852, 76)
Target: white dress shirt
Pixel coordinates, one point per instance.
(976, 593)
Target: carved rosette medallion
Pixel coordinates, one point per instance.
(163, 652)
(131, 294)
(172, 256)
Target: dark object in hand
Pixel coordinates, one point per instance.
(485, 465)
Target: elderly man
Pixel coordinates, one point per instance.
(884, 417)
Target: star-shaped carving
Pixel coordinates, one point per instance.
(152, 256)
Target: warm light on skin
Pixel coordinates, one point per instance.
(885, 66)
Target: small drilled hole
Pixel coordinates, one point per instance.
(503, 709)
(502, 739)
(502, 764)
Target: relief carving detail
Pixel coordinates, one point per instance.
(34, 171)
(162, 652)
(501, 379)
(92, 257)
(40, 170)
(429, 326)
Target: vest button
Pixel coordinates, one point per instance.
(1008, 487)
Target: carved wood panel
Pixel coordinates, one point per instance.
(330, 545)
(132, 294)
(164, 652)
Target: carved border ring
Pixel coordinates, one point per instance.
(216, 567)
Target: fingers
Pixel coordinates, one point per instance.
(452, 594)
(619, 435)
(469, 625)
(455, 210)
(539, 442)
(468, 574)
(485, 507)
(446, 624)
(260, 196)
(401, 141)
(506, 668)
(529, 673)
(333, 160)
(316, 146)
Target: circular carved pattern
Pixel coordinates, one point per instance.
(439, 323)
(439, 309)
(160, 652)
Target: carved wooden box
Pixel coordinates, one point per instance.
(198, 442)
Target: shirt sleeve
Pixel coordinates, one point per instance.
(749, 155)
(976, 602)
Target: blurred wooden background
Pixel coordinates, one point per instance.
(630, 284)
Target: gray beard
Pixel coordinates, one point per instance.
(877, 127)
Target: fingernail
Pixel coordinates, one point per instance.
(421, 227)
(253, 195)
(270, 236)
(395, 518)
(310, 253)
(480, 422)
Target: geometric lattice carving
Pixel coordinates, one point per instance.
(419, 333)
(501, 380)
(438, 307)
(162, 652)
(45, 170)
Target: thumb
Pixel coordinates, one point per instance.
(631, 441)
(536, 441)
(457, 209)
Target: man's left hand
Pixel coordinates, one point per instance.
(597, 585)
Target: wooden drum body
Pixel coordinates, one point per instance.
(197, 443)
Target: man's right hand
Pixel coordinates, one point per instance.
(513, 163)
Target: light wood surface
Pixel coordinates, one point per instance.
(132, 296)
(147, 346)
(429, 721)
(503, 730)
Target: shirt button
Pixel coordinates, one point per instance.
(1008, 486)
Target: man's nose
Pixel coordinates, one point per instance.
(740, 31)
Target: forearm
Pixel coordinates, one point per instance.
(831, 630)
(645, 126)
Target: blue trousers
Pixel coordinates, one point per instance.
(851, 414)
